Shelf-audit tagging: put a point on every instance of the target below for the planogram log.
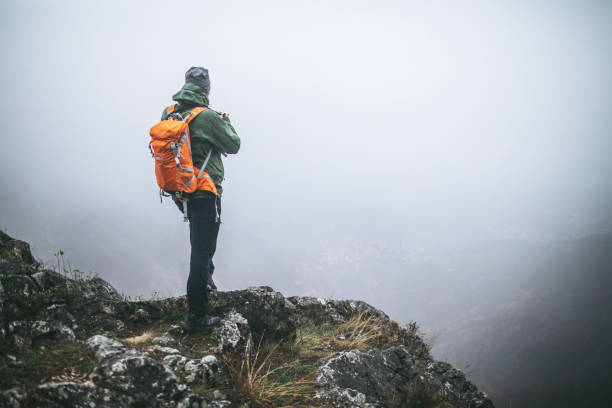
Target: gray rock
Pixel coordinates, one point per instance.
(91, 297)
(175, 332)
(141, 316)
(220, 404)
(169, 342)
(267, 311)
(165, 341)
(25, 333)
(14, 250)
(158, 309)
(356, 379)
(1, 311)
(14, 397)
(18, 285)
(101, 289)
(163, 350)
(316, 309)
(347, 308)
(60, 314)
(232, 333)
(105, 347)
(143, 380)
(353, 378)
(16, 268)
(48, 279)
(320, 310)
(20, 297)
(119, 325)
(196, 371)
(450, 384)
(85, 395)
(218, 395)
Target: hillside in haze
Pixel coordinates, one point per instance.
(545, 340)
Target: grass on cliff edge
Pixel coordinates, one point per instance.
(284, 375)
(47, 361)
(262, 378)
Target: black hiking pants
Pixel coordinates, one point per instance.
(204, 218)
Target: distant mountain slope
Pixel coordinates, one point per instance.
(547, 339)
(528, 320)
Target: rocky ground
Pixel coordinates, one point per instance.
(71, 341)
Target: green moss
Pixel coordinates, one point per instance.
(15, 255)
(310, 335)
(202, 390)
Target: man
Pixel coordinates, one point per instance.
(210, 132)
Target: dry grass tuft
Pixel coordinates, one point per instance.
(143, 338)
(265, 384)
(359, 332)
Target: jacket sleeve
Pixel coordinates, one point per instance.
(220, 134)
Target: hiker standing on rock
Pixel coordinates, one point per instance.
(187, 146)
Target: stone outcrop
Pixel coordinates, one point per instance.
(268, 312)
(332, 311)
(14, 397)
(72, 394)
(25, 333)
(387, 377)
(15, 251)
(232, 334)
(353, 378)
(203, 370)
(41, 309)
(143, 380)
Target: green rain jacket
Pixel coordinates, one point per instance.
(208, 131)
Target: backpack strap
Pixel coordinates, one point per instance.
(191, 116)
(193, 113)
(170, 109)
(201, 172)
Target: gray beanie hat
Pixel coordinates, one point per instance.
(198, 76)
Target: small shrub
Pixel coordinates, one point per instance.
(15, 255)
(64, 267)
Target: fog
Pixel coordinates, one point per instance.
(377, 139)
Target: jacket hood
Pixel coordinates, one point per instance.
(191, 94)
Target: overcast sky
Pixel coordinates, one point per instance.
(368, 129)
(411, 124)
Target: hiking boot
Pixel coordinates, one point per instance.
(194, 322)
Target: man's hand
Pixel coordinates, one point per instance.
(225, 117)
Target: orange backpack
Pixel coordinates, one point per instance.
(170, 146)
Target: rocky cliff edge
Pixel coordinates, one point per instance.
(73, 341)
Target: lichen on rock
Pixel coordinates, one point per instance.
(365, 379)
(146, 381)
(232, 333)
(268, 312)
(25, 333)
(205, 370)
